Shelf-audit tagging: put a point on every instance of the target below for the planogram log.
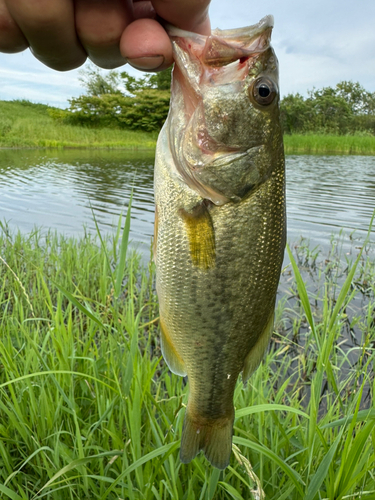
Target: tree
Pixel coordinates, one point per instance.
(296, 114)
(143, 104)
(159, 81)
(96, 83)
(360, 100)
(333, 113)
(146, 110)
(345, 108)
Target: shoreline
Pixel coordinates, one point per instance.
(318, 144)
(321, 144)
(31, 127)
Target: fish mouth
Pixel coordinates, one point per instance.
(224, 46)
(201, 63)
(240, 37)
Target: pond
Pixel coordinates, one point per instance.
(326, 196)
(63, 189)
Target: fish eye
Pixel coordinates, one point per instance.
(263, 91)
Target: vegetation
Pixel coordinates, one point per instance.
(120, 111)
(142, 104)
(123, 101)
(346, 108)
(89, 409)
(27, 125)
(329, 144)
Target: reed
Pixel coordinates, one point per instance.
(88, 408)
(329, 144)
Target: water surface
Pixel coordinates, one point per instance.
(62, 189)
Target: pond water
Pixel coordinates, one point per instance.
(62, 189)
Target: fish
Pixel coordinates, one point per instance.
(220, 223)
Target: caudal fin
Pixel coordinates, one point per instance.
(213, 436)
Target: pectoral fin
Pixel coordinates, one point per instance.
(200, 232)
(255, 355)
(170, 354)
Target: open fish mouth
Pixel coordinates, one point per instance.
(205, 137)
(225, 46)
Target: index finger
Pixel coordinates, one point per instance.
(190, 15)
(146, 44)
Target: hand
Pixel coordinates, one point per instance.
(63, 33)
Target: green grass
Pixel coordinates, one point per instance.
(329, 144)
(88, 408)
(27, 125)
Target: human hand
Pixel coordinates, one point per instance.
(63, 33)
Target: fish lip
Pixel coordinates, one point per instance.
(222, 47)
(254, 29)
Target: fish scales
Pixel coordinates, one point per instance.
(220, 237)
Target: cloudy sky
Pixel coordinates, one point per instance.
(318, 43)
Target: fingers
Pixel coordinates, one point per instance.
(146, 45)
(11, 37)
(100, 26)
(190, 15)
(61, 33)
(143, 9)
(49, 27)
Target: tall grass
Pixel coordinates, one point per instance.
(329, 144)
(25, 125)
(88, 408)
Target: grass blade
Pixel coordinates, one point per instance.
(9, 493)
(150, 456)
(322, 470)
(293, 475)
(120, 268)
(269, 407)
(303, 295)
(78, 463)
(78, 305)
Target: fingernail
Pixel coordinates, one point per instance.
(147, 63)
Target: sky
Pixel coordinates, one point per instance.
(318, 43)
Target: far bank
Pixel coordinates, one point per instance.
(27, 125)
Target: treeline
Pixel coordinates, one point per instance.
(121, 101)
(346, 108)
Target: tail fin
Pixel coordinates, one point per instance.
(213, 436)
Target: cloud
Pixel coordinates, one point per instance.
(318, 43)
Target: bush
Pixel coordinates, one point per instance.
(143, 103)
(146, 111)
(345, 109)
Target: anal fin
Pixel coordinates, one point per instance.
(255, 355)
(170, 354)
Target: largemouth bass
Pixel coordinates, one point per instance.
(220, 222)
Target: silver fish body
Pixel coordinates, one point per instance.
(220, 222)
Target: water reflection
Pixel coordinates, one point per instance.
(327, 193)
(59, 190)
